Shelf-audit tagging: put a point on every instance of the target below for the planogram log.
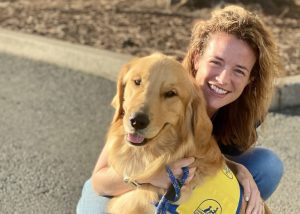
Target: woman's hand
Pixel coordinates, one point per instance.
(255, 204)
(162, 179)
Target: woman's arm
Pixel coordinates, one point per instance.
(107, 182)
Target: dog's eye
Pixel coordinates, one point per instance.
(170, 93)
(137, 82)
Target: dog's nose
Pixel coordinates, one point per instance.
(139, 120)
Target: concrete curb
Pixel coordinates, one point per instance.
(287, 93)
(106, 63)
(77, 57)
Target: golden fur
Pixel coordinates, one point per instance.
(179, 126)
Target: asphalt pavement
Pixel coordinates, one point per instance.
(53, 121)
(52, 125)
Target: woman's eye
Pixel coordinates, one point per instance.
(240, 72)
(169, 94)
(137, 82)
(215, 62)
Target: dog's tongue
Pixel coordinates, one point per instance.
(135, 138)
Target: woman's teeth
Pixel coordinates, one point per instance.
(217, 89)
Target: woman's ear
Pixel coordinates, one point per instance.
(251, 79)
(195, 63)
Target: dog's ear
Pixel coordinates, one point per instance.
(117, 101)
(206, 150)
(201, 123)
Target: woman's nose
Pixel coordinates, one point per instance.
(223, 77)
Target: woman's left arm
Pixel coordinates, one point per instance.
(251, 192)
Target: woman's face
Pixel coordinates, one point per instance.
(223, 71)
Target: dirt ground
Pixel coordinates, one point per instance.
(137, 27)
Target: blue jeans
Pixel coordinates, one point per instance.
(264, 165)
(90, 202)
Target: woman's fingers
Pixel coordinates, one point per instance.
(251, 192)
(191, 175)
(189, 178)
(176, 167)
(254, 205)
(255, 208)
(247, 188)
(249, 198)
(183, 162)
(262, 207)
(162, 180)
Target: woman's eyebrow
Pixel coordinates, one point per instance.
(242, 67)
(219, 58)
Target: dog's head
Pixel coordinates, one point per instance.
(156, 96)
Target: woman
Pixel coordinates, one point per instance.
(234, 60)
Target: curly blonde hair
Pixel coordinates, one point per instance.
(236, 122)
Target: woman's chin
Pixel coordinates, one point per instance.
(213, 106)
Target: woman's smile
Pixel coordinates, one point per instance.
(217, 90)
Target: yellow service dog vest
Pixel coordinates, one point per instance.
(220, 194)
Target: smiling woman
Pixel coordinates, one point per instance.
(235, 54)
(235, 61)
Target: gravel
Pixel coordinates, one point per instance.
(135, 27)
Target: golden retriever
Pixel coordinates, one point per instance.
(160, 117)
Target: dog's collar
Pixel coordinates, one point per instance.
(131, 182)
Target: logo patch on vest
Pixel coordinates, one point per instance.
(227, 172)
(209, 206)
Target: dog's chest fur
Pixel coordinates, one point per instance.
(137, 161)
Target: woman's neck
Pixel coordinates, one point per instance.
(211, 112)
